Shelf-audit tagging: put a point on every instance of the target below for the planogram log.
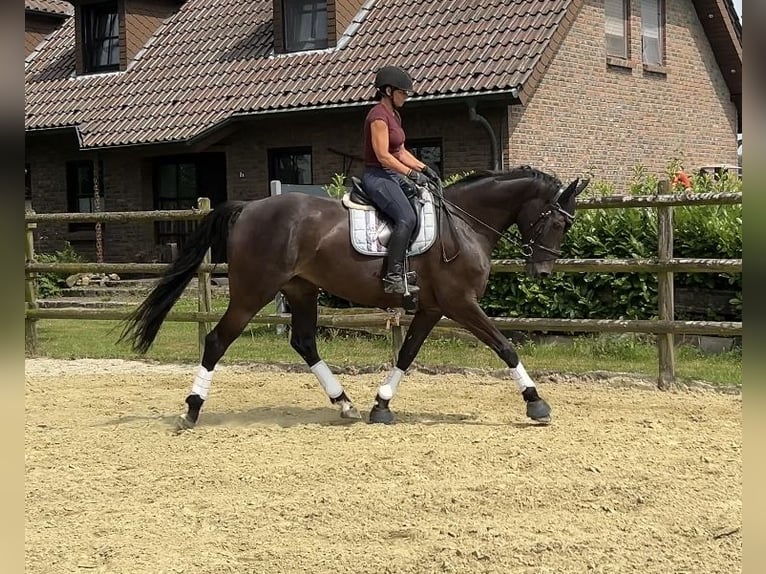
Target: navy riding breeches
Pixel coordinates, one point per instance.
(385, 189)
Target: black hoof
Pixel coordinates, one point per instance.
(381, 415)
(380, 412)
(194, 402)
(539, 411)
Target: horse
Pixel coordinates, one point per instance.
(297, 244)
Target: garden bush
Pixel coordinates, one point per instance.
(623, 233)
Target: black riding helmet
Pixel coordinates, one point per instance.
(393, 76)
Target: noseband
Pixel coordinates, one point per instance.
(527, 249)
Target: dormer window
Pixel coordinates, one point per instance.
(100, 37)
(305, 25)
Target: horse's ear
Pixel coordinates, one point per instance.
(569, 191)
(582, 185)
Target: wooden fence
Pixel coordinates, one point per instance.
(664, 266)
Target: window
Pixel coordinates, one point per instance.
(175, 187)
(617, 28)
(652, 31)
(178, 181)
(291, 165)
(100, 37)
(305, 25)
(80, 190)
(429, 152)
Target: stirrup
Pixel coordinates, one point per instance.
(395, 283)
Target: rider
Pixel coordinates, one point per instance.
(389, 166)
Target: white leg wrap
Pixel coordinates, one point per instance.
(328, 381)
(388, 389)
(521, 378)
(202, 382)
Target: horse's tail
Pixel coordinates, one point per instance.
(142, 325)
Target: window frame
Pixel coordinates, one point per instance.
(292, 13)
(27, 186)
(661, 27)
(625, 30)
(74, 193)
(274, 154)
(92, 44)
(174, 231)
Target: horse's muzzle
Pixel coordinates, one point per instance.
(539, 269)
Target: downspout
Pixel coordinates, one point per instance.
(475, 117)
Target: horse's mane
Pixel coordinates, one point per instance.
(513, 173)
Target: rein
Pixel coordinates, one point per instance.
(527, 248)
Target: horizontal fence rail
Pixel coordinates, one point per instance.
(498, 266)
(665, 327)
(384, 320)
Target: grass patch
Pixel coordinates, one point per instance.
(177, 342)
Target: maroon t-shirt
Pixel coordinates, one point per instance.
(395, 133)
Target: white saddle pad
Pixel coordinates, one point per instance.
(370, 234)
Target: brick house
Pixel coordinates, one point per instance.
(155, 103)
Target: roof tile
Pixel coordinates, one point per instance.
(52, 7)
(204, 53)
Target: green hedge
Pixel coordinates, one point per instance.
(699, 232)
(621, 233)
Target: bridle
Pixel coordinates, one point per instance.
(528, 248)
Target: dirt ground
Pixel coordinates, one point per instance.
(625, 479)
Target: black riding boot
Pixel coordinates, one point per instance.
(394, 281)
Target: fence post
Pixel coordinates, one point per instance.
(204, 289)
(665, 341)
(30, 293)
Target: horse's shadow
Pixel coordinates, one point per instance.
(287, 417)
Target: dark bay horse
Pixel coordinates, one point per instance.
(297, 244)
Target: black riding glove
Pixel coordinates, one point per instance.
(430, 174)
(418, 178)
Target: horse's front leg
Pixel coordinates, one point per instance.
(421, 326)
(473, 318)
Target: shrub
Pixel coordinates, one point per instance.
(50, 284)
(699, 232)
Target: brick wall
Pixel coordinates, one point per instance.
(464, 143)
(586, 115)
(126, 186)
(36, 28)
(127, 183)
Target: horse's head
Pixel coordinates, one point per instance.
(543, 224)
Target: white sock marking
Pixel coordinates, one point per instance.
(521, 378)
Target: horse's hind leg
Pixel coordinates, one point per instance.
(231, 325)
(302, 298)
(419, 329)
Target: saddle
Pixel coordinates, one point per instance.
(371, 230)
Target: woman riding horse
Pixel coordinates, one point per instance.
(386, 165)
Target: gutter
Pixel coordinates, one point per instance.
(474, 116)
